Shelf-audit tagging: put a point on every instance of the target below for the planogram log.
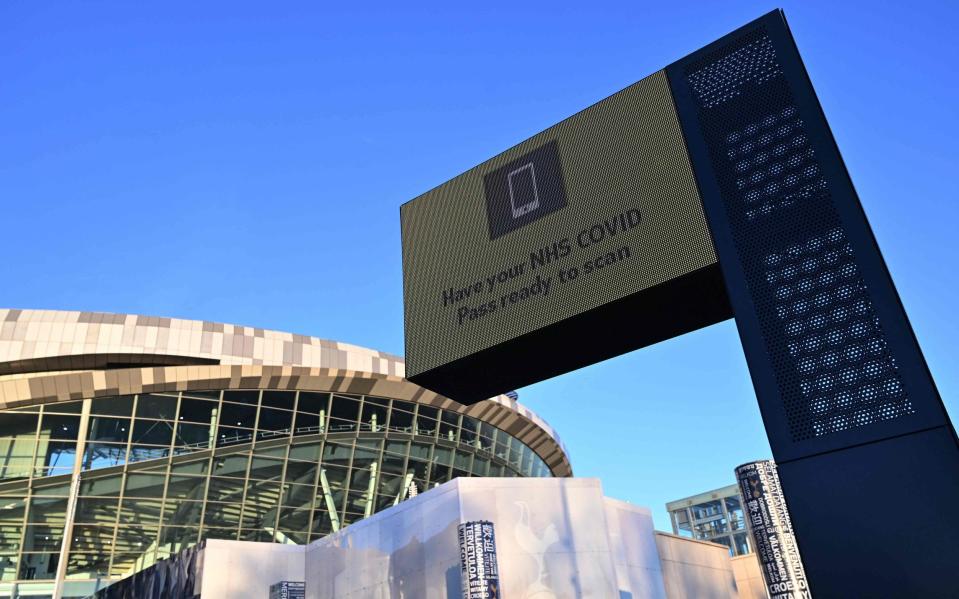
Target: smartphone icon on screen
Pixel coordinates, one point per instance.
(523, 194)
(524, 190)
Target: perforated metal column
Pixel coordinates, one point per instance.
(838, 373)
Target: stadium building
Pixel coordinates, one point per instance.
(126, 439)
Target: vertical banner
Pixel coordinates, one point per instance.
(480, 574)
(772, 530)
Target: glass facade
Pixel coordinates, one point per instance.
(159, 472)
(717, 517)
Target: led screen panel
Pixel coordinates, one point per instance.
(509, 266)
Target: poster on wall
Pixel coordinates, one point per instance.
(480, 573)
(771, 530)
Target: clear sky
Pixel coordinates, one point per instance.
(245, 163)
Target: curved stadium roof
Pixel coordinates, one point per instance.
(50, 355)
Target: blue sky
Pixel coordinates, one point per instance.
(245, 163)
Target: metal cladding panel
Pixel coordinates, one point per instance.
(832, 355)
(845, 393)
(582, 242)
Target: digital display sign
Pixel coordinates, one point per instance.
(708, 190)
(596, 209)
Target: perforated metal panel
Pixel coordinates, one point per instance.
(831, 358)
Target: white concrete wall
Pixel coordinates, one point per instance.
(556, 538)
(245, 570)
(749, 577)
(695, 569)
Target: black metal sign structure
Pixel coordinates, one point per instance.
(853, 416)
(478, 568)
(709, 190)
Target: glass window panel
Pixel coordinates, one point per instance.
(274, 420)
(709, 509)
(101, 486)
(243, 416)
(279, 399)
(420, 451)
(462, 460)
(449, 426)
(88, 565)
(261, 536)
(307, 452)
(38, 566)
(140, 511)
(337, 453)
(398, 448)
(10, 535)
(419, 470)
(39, 537)
(103, 455)
(92, 538)
(55, 426)
(47, 489)
(64, 407)
(196, 436)
(152, 432)
(393, 464)
(345, 408)
(198, 467)
(96, 510)
(312, 403)
(227, 436)
(374, 415)
(140, 453)
(401, 421)
(341, 426)
(142, 484)
(367, 450)
(55, 457)
(741, 544)
(469, 431)
(300, 473)
(123, 563)
(264, 493)
(298, 495)
(307, 423)
(265, 468)
(706, 530)
(15, 425)
(515, 453)
(222, 515)
(134, 538)
(219, 533)
(495, 469)
(233, 465)
(17, 455)
(112, 406)
(226, 490)
(456, 473)
(109, 430)
(8, 567)
(12, 510)
(178, 537)
(160, 406)
(480, 466)
(443, 455)
(182, 512)
(426, 426)
(198, 410)
(34, 409)
(322, 524)
(245, 397)
(406, 406)
(439, 473)
(186, 487)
